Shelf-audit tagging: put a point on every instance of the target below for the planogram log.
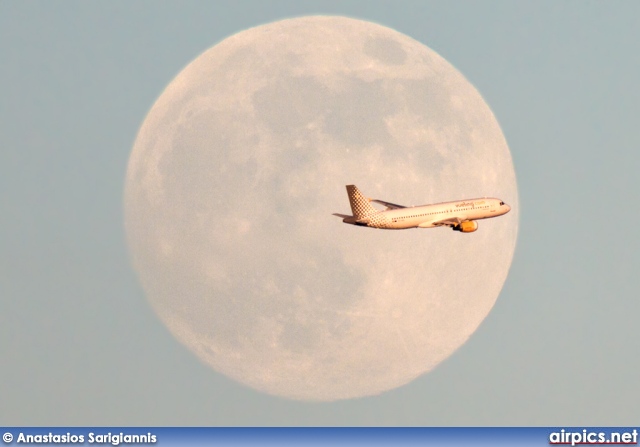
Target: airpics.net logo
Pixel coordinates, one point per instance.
(587, 437)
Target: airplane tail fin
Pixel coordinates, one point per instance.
(360, 206)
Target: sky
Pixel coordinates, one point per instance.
(79, 342)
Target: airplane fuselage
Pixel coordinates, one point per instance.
(429, 216)
(461, 215)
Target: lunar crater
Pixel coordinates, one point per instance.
(387, 51)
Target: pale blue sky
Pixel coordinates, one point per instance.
(80, 345)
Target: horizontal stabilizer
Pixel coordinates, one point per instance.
(351, 219)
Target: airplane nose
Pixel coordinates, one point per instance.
(508, 208)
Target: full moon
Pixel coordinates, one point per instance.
(235, 174)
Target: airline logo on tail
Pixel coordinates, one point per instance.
(360, 206)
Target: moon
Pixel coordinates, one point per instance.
(235, 174)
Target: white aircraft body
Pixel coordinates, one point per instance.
(460, 215)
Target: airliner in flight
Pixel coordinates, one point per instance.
(461, 215)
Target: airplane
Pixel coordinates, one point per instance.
(460, 215)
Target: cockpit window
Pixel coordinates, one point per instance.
(501, 203)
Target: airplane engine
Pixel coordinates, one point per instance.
(466, 227)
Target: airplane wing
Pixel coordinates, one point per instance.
(451, 222)
(344, 216)
(390, 206)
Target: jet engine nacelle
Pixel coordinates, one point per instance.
(466, 227)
